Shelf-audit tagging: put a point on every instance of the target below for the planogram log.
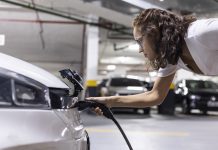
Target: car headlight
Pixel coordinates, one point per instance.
(196, 97)
(213, 98)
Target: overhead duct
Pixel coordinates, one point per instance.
(142, 4)
(69, 16)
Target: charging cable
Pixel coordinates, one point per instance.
(77, 81)
(81, 105)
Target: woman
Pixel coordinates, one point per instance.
(170, 42)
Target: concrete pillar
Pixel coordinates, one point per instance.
(92, 48)
(92, 39)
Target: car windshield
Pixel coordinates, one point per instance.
(125, 82)
(201, 85)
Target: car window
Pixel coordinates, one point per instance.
(27, 95)
(202, 85)
(5, 92)
(210, 85)
(125, 82)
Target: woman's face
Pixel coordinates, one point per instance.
(145, 46)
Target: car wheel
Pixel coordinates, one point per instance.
(186, 107)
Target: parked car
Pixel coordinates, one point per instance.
(125, 86)
(34, 112)
(148, 85)
(197, 94)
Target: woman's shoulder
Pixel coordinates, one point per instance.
(202, 26)
(203, 34)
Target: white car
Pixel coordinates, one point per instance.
(32, 114)
(124, 86)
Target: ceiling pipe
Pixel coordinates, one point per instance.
(52, 11)
(119, 48)
(40, 21)
(40, 26)
(141, 4)
(83, 54)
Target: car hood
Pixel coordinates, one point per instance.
(127, 90)
(31, 71)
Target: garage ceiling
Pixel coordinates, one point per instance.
(58, 39)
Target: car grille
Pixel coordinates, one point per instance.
(210, 98)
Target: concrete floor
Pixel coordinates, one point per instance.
(154, 132)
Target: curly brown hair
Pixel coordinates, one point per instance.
(166, 32)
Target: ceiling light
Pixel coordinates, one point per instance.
(2, 39)
(111, 67)
(134, 47)
(161, 0)
(123, 59)
(153, 73)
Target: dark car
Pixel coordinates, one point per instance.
(197, 94)
(148, 85)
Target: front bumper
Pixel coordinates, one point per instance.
(204, 105)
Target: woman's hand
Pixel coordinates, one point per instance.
(103, 100)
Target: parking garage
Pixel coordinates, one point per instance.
(64, 65)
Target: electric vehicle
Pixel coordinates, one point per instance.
(34, 110)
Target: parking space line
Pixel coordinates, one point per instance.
(150, 133)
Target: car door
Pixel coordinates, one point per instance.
(28, 122)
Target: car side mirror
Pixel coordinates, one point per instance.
(62, 102)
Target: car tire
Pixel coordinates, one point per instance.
(186, 107)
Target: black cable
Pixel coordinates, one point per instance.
(76, 80)
(81, 105)
(123, 134)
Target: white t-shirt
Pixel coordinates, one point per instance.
(202, 42)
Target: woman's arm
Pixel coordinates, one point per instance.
(146, 99)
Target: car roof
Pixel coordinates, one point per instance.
(31, 71)
(125, 77)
